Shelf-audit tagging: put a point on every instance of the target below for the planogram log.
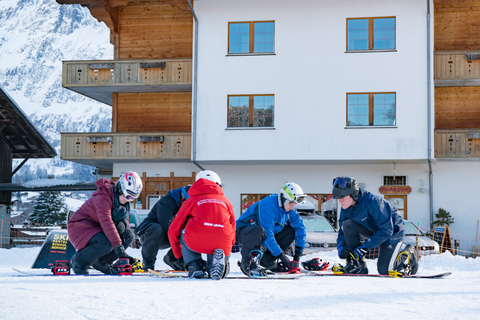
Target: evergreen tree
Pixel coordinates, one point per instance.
(49, 209)
(443, 218)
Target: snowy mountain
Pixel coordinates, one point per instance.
(35, 36)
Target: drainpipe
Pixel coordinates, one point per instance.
(429, 114)
(194, 98)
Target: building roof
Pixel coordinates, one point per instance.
(19, 133)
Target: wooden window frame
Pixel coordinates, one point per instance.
(251, 44)
(371, 109)
(250, 109)
(371, 34)
(405, 198)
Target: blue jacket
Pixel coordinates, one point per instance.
(271, 216)
(376, 214)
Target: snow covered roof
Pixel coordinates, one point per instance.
(48, 185)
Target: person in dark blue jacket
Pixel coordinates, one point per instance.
(272, 223)
(153, 231)
(374, 218)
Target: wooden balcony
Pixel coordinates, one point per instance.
(103, 149)
(457, 68)
(457, 143)
(98, 79)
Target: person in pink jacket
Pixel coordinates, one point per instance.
(99, 229)
(205, 224)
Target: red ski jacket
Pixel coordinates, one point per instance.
(208, 219)
(94, 216)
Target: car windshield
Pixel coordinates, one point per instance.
(317, 224)
(411, 229)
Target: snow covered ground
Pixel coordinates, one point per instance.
(455, 297)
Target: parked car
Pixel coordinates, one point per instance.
(426, 244)
(321, 235)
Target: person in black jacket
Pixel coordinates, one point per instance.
(153, 231)
(374, 218)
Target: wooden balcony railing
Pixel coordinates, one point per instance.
(126, 146)
(457, 68)
(99, 79)
(127, 72)
(457, 143)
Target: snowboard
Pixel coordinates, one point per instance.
(184, 274)
(330, 273)
(48, 272)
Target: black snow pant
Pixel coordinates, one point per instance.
(352, 232)
(99, 247)
(251, 238)
(153, 239)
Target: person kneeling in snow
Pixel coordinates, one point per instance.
(153, 231)
(268, 228)
(205, 224)
(99, 229)
(366, 215)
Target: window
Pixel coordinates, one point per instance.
(371, 109)
(371, 34)
(251, 37)
(250, 111)
(395, 180)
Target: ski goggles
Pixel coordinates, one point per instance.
(342, 183)
(129, 196)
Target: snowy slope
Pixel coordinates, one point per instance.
(456, 297)
(35, 36)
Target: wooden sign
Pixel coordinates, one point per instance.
(442, 236)
(395, 189)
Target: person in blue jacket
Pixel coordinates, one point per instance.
(153, 231)
(374, 218)
(268, 228)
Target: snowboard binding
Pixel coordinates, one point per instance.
(61, 268)
(315, 264)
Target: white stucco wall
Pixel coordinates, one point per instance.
(310, 75)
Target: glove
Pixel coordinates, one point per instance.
(120, 213)
(298, 253)
(344, 253)
(120, 252)
(282, 263)
(361, 251)
(121, 227)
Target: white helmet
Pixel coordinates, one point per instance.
(291, 192)
(209, 175)
(130, 185)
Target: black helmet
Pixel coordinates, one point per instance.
(345, 186)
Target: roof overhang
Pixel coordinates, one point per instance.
(19, 133)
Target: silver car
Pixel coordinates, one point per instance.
(321, 236)
(427, 245)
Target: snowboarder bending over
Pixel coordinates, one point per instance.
(99, 229)
(366, 215)
(268, 228)
(153, 231)
(205, 224)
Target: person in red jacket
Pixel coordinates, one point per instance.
(205, 224)
(99, 229)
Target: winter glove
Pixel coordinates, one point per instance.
(361, 251)
(298, 253)
(282, 263)
(120, 252)
(344, 253)
(121, 227)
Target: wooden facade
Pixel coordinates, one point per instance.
(457, 78)
(153, 112)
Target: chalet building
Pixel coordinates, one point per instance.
(268, 91)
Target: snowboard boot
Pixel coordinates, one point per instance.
(102, 266)
(196, 269)
(406, 261)
(252, 267)
(174, 263)
(355, 266)
(217, 267)
(227, 267)
(76, 267)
